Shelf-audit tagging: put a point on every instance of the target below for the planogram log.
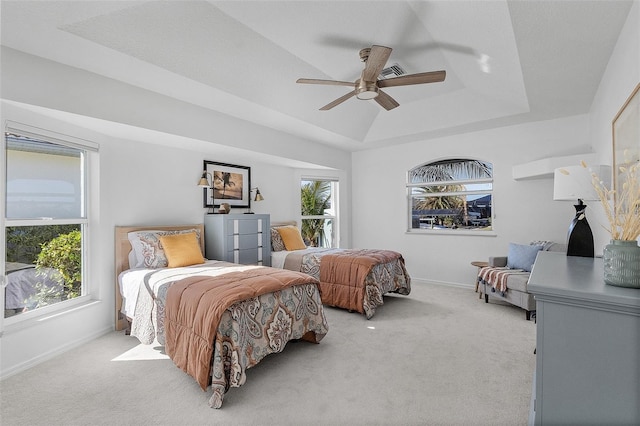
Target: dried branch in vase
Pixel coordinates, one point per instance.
(624, 215)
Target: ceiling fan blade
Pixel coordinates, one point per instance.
(386, 101)
(338, 101)
(420, 78)
(378, 57)
(327, 82)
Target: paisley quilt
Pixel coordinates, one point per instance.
(354, 279)
(247, 330)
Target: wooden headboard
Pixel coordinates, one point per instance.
(285, 223)
(123, 247)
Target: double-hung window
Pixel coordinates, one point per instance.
(45, 222)
(319, 212)
(451, 194)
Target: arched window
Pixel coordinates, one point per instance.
(451, 194)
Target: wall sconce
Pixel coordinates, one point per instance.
(258, 197)
(204, 182)
(574, 183)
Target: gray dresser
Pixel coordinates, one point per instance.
(238, 238)
(588, 344)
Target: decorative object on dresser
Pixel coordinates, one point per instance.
(588, 345)
(215, 319)
(622, 255)
(574, 183)
(353, 279)
(506, 277)
(228, 183)
(224, 208)
(238, 238)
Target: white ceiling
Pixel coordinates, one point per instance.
(506, 61)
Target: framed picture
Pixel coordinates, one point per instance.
(626, 138)
(230, 184)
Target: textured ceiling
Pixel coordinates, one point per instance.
(506, 62)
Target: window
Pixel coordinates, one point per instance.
(318, 200)
(45, 226)
(452, 194)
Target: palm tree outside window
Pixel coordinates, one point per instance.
(451, 194)
(318, 212)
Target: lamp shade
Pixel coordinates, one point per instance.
(575, 182)
(204, 180)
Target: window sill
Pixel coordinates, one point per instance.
(464, 232)
(33, 318)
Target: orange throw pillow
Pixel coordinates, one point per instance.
(291, 238)
(182, 249)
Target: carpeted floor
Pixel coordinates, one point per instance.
(439, 356)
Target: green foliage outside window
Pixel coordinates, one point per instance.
(64, 253)
(57, 247)
(315, 198)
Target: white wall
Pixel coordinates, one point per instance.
(147, 178)
(523, 210)
(36, 81)
(140, 184)
(144, 183)
(621, 77)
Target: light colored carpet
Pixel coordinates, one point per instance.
(439, 356)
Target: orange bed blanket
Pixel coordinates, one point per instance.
(343, 276)
(195, 305)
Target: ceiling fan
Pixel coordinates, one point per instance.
(368, 86)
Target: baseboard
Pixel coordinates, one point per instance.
(444, 283)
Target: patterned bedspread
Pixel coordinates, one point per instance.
(247, 332)
(382, 279)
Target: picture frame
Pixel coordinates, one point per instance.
(626, 138)
(230, 184)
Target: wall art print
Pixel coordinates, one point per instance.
(626, 139)
(230, 184)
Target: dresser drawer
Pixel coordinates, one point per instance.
(244, 241)
(251, 256)
(244, 226)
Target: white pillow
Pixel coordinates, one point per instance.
(133, 260)
(147, 249)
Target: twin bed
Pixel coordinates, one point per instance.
(217, 319)
(353, 279)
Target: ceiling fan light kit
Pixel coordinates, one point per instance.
(368, 86)
(366, 90)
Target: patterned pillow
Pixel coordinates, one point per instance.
(276, 240)
(148, 249)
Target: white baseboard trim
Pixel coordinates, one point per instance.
(53, 353)
(445, 283)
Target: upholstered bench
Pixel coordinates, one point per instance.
(506, 277)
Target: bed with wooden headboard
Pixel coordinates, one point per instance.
(353, 279)
(123, 247)
(215, 319)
